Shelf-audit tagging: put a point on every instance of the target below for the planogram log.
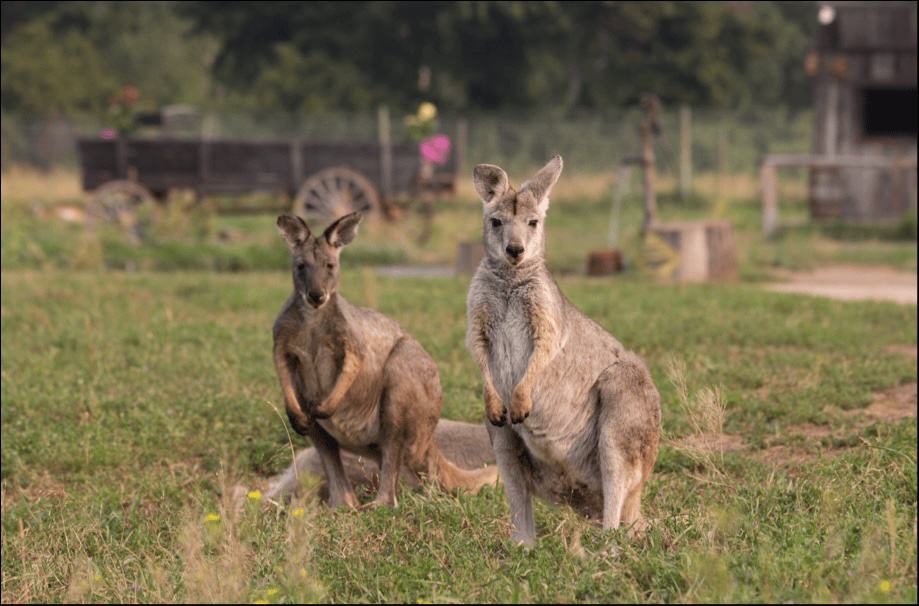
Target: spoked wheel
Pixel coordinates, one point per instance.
(335, 192)
(123, 204)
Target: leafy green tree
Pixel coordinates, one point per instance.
(44, 72)
(72, 57)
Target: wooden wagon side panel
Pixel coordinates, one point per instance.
(247, 166)
(98, 162)
(162, 165)
(406, 164)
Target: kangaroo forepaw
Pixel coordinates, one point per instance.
(498, 418)
(300, 423)
(494, 408)
(521, 404)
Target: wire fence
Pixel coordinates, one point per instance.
(590, 142)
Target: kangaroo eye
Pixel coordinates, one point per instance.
(496, 222)
(301, 266)
(330, 265)
(534, 222)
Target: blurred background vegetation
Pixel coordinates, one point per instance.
(527, 79)
(558, 57)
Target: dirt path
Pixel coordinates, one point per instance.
(852, 283)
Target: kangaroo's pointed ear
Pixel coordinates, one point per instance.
(294, 230)
(490, 182)
(540, 185)
(344, 230)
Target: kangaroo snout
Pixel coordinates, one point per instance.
(316, 297)
(514, 251)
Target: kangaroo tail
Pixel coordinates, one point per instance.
(451, 476)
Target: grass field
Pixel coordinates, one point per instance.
(133, 401)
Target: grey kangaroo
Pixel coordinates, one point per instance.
(352, 378)
(464, 444)
(584, 412)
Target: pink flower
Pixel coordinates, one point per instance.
(435, 149)
(108, 133)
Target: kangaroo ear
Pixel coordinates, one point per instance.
(294, 230)
(490, 182)
(344, 230)
(541, 183)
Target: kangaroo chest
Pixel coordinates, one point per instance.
(511, 342)
(319, 363)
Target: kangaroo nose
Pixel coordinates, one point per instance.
(514, 250)
(316, 297)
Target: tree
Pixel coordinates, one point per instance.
(47, 73)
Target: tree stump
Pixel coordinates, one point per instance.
(468, 257)
(702, 250)
(604, 262)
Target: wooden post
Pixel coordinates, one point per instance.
(296, 166)
(647, 165)
(121, 157)
(462, 143)
(722, 159)
(685, 151)
(768, 182)
(385, 139)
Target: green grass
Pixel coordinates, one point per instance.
(132, 401)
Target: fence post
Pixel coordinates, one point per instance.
(685, 151)
(462, 142)
(722, 159)
(770, 198)
(646, 130)
(385, 140)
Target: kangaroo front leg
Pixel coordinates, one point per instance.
(299, 420)
(478, 342)
(350, 367)
(510, 456)
(545, 346)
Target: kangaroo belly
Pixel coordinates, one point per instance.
(353, 429)
(561, 432)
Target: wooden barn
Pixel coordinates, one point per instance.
(864, 65)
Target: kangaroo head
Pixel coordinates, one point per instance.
(314, 260)
(513, 220)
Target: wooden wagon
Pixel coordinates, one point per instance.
(325, 179)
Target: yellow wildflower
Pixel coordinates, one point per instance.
(212, 517)
(261, 601)
(271, 591)
(298, 512)
(884, 586)
(255, 495)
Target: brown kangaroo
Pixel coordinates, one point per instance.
(352, 379)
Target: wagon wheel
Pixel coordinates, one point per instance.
(124, 204)
(335, 192)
